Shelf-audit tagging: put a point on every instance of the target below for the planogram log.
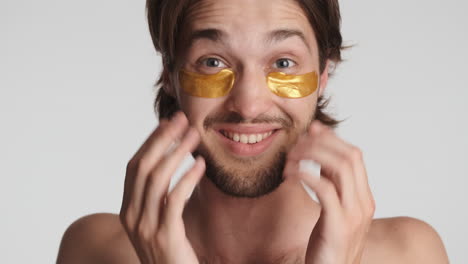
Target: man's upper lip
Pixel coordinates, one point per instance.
(246, 128)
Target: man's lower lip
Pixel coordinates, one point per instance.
(246, 149)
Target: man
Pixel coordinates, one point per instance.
(248, 78)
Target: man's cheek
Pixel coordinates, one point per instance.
(197, 109)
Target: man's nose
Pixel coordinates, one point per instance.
(250, 95)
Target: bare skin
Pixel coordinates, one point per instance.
(101, 238)
(285, 226)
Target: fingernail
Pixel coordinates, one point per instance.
(310, 167)
(172, 147)
(311, 193)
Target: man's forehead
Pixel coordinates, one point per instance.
(268, 21)
(269, 38)
(264, 15)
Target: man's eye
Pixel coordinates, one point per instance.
(284, 63)
(213, 62)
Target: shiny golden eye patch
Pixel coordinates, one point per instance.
(220, 84)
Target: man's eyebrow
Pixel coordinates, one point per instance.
(282, 34)
(212, 34)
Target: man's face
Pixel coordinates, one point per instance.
(245, 135)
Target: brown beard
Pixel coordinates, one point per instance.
(249, 180)
(251, 183)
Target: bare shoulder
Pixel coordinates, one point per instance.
(404, 240)
(96, 238)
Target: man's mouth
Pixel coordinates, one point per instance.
(246, 138)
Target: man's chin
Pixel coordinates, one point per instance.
(247, 177)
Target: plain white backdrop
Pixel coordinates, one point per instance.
(76, 102)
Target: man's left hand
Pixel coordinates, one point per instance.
(347, 204)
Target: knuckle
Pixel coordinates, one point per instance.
(160, 238)
(171, 199)
(345, 165)
(151, 180)
(131, 165)
(134, 166)
(127, 220)
(144, 234)
(142, 165)
(356, 154)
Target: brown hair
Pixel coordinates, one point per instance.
(166, 18)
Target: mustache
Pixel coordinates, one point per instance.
(236, 118)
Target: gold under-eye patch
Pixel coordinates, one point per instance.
(207, 85)
(292, 86)
(219, 84)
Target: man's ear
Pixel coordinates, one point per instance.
(324, 79)
(168, 83)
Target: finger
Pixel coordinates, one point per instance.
(178, 196)
(326, 193)
(362, 183)
(355, 155)
(291, 168)
(146, 144)
(344, 150)
(332, 154)
(149, 154)
(160, 140)
(320, 132)
(130, 174)
(159, 179)
(292, 165)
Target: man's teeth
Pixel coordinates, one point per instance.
(247, 138)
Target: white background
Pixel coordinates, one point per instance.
(76, 102)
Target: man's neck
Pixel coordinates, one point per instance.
(241, 228)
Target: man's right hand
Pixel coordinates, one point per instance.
(151, 216)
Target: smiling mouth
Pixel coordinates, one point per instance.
(250, 138)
